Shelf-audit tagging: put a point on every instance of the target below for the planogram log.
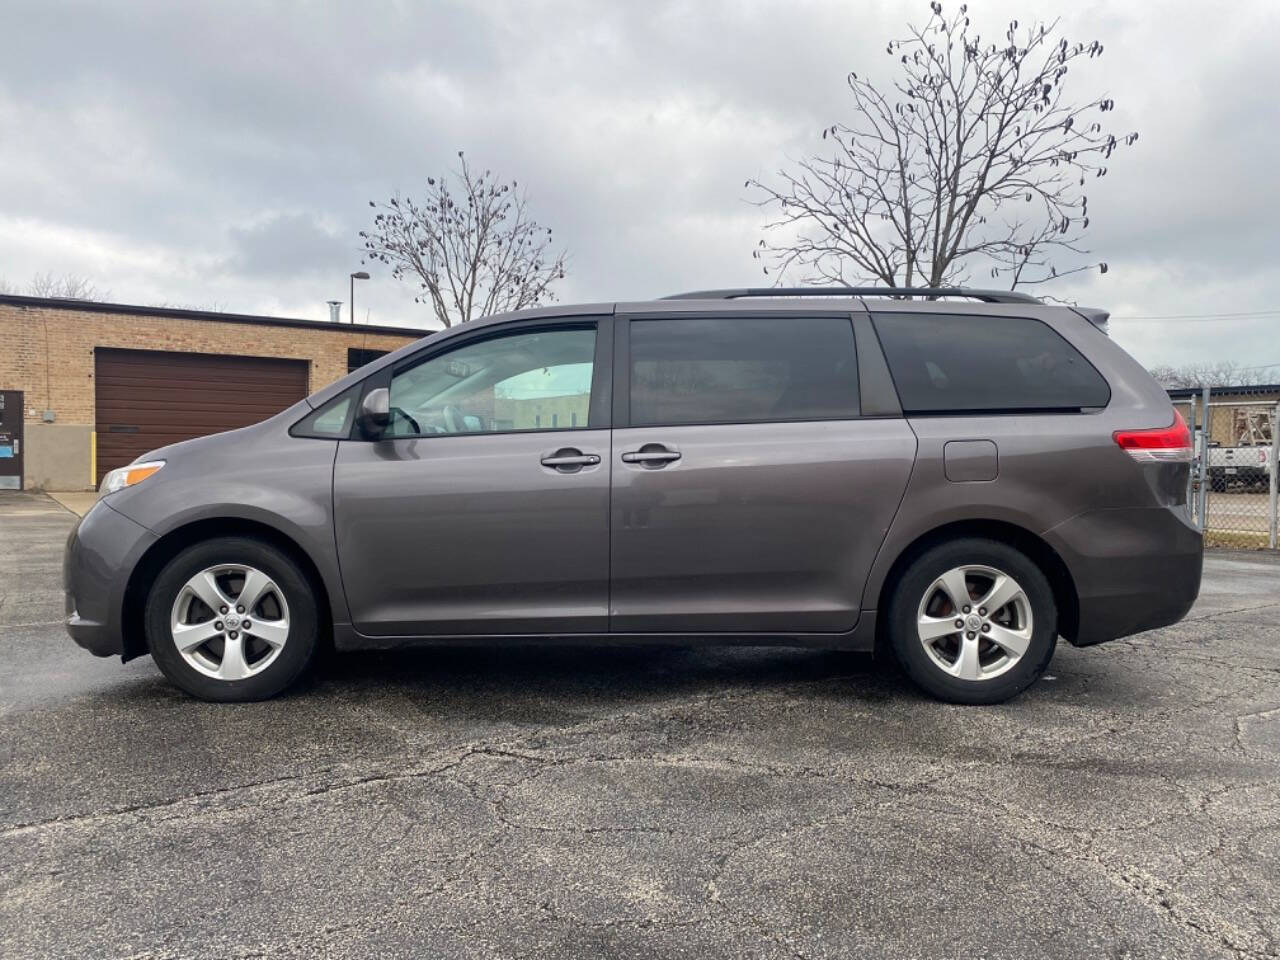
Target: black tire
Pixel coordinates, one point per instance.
(1218, 484)
(298, 648)
(910, 591)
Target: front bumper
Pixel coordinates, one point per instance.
(1134, 569)
(102, 551)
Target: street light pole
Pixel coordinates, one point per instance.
(360, 275)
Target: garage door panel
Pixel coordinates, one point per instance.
(194, 396)
(223, 379)
(152, 389)
(180, 410)
(148, 398)
(253, 380)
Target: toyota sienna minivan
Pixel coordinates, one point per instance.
(958, 476)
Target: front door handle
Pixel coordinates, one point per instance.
(651, 455)
(570, 460)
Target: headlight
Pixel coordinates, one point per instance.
(128, 476)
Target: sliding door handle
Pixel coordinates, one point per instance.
(651, 455)
(655, 456)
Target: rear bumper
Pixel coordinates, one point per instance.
(101, 552)
(1134, 569)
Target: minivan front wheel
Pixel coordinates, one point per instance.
(973, 621)
(232, 619)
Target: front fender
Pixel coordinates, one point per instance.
(291, 493)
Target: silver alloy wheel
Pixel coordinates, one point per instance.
(975, 622)
(230, 622)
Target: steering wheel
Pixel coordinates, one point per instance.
(453, 421)
(397, 412)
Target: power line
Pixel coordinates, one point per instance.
(1234, 368)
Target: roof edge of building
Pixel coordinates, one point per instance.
(1186, 393)
(97, 306)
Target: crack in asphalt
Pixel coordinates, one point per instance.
(92, 819)
(1225, 613)
(1133, 881)
(378, 776)
(1238, 726)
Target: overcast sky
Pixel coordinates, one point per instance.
(225, 153)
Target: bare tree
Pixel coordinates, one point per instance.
(67, 286)
(470, 245)
(1223, 373)
(973, 157)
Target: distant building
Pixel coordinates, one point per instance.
(1238, 415)
(86, 387)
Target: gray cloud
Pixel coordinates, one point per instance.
(287, 245)
(227, 152)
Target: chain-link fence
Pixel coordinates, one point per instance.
(1233, 479)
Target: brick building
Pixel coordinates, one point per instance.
(86, 386)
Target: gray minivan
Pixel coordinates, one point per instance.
(962, 476)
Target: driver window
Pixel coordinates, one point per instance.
(539, 380)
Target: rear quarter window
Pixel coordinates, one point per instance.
(958, 363)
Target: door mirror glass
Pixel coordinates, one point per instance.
(375, 413)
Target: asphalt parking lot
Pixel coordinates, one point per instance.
(642, 803)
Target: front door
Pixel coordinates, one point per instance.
(484, 508)
(748, 494)
(10, 439)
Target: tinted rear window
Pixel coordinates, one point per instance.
(948, 363)
(742, 370)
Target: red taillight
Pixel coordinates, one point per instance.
(1171, 444)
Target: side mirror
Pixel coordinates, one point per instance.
(374, 414)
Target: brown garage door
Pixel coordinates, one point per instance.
(148, 398)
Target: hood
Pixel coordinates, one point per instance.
(212, 441)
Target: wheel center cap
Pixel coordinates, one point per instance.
(233, 621)
(974, 621)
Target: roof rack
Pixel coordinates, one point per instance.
(987, 296)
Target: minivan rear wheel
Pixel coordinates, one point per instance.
(232, 619)
(973, 621)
